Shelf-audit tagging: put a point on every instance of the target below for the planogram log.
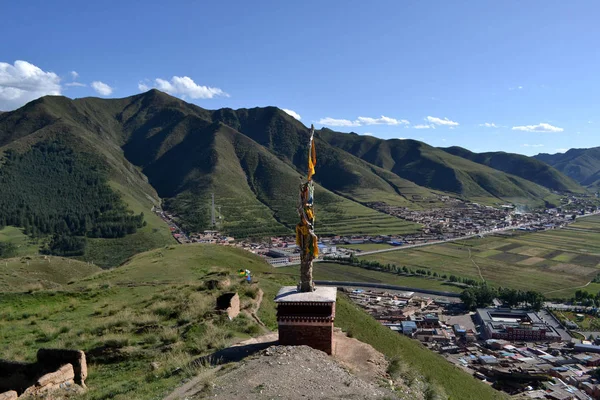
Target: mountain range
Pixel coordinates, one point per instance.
(583, 165)
(152, 148)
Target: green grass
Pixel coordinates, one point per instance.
(23, 243)
(547, 261)
(589, 323)
(340, 272)
(456, 383)
(157, 307)
(32, 273)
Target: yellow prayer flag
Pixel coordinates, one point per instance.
(312, 160)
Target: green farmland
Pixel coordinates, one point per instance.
(554, 262)
(341, 272)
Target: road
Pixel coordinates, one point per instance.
(369, 285)
(412, 246)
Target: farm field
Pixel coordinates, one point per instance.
(341, 272)
(554, 262)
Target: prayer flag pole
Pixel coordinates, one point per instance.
(305, 229)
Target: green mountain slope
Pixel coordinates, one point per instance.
(436, 169)
(582, 165)
(153, 145)
(522, 166)
(337, 170)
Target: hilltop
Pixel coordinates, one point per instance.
(142, 325)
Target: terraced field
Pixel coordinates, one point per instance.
(555, 262)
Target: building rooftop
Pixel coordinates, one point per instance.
(323, 294)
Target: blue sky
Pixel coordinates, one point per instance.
(436, 71)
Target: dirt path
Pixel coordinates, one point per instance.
(194, 386)
(568, 288)
(255, 307)
(475, 264)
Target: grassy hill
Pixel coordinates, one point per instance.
(159, 308)
(522, 166)
(582, 165)
(30, 273)
(436, 169)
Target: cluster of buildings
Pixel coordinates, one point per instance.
(460, 218)
(521, 352)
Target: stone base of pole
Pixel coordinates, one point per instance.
(306, 318)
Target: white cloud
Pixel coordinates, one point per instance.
(75, 84)
(439, 121)
(533, 145)
(143, 87)
(185, 86)
(102, 88)
(368, 134)
(520, 87)
(423, 126)
(381, 121)
(489, 125)
(541, 127)
(363, 121)
(292, 113)
(337, 122)
(22, 82)
(402, 138)
(563, 150)
(74, 75)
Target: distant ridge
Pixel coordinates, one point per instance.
(522, 166)
(582, 165)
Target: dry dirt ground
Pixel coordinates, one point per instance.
(268, 371)
(291, 372)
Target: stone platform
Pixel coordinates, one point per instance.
(306, 318)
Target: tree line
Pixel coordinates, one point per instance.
(50, 190)
(477, 295)
(404, 270)
(484, 295)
